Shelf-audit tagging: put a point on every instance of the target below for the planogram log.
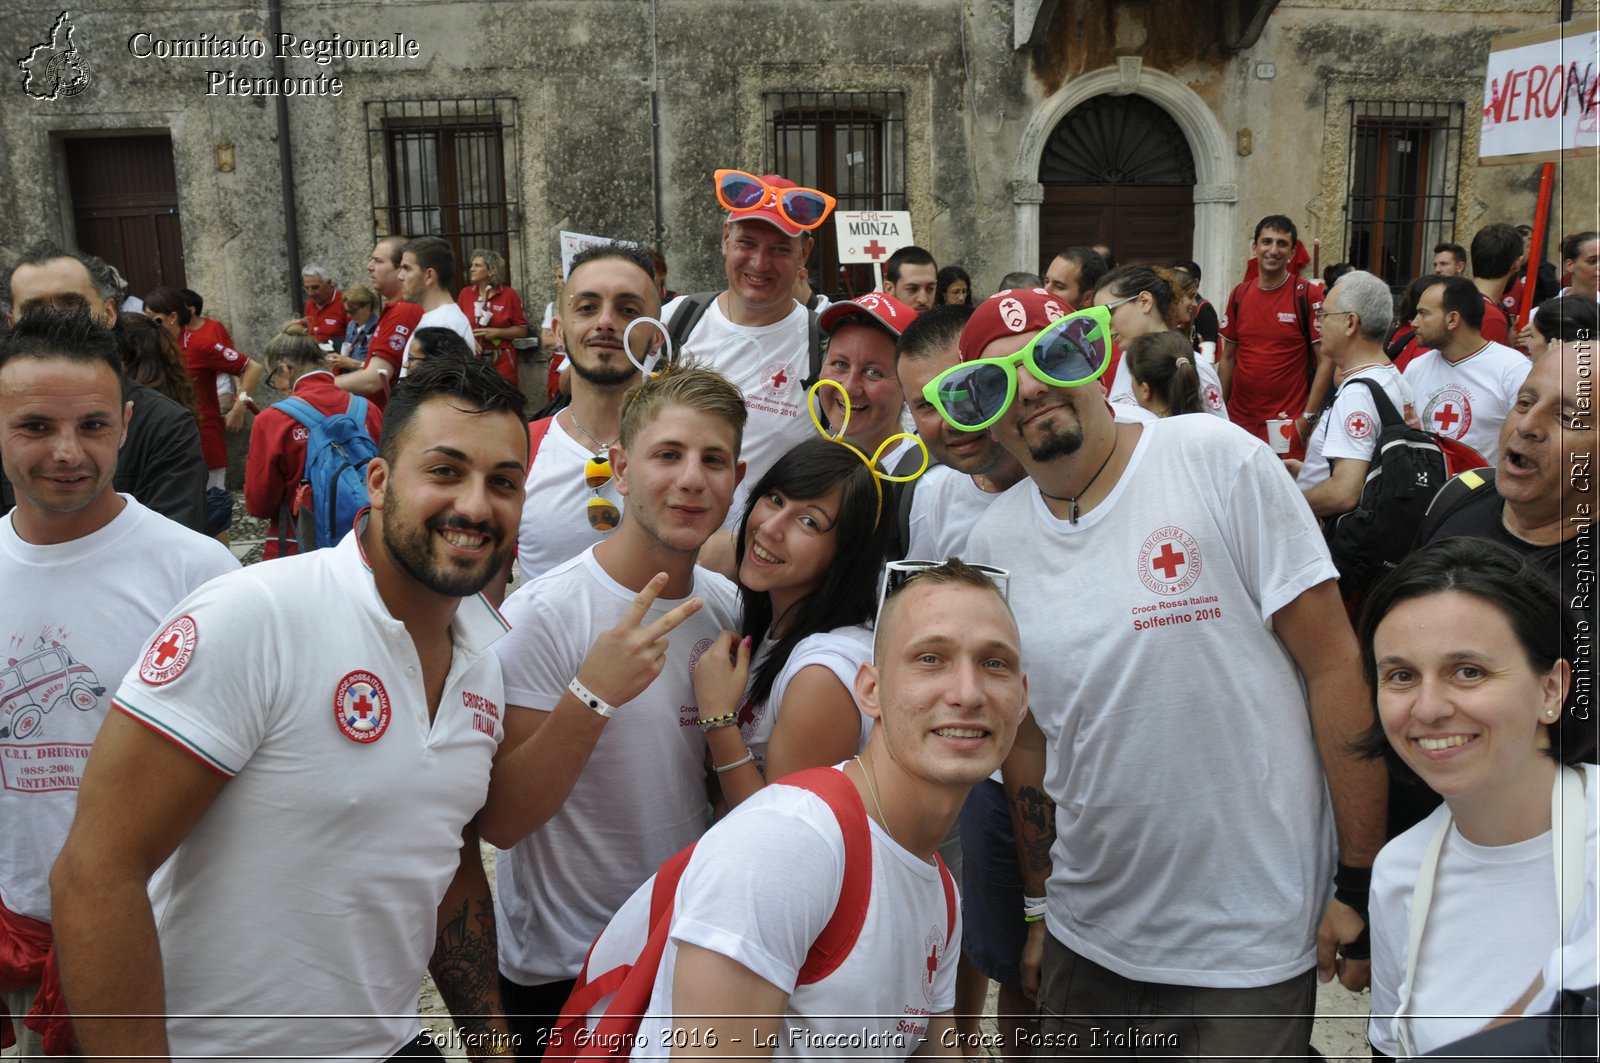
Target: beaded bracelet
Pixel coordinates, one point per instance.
(714, 722)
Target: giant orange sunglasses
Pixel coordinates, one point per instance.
(804, 208)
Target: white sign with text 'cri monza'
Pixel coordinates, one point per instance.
(1539, 96)
(871, 235)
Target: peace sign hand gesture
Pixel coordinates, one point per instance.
(626, 659)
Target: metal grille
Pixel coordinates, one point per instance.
(850, 145)
(438, 168)
(1405, 167)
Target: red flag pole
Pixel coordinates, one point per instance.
(1541, 219)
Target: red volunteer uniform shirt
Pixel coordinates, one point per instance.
(501, 309)
(207, 351)
(327, 322)
(1272, 366)
(395, 326)
(277, 460)
(1496, 326)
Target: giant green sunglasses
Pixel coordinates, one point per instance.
(1074, 350)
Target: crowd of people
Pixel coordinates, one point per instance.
(841, 656)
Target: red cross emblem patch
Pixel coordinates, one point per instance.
(1449, 412)
(1169, 561)
(361, 707)
(170, 652)
(1358, 425)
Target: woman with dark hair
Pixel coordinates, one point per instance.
(1142, 301)
(1470, 651)
(1165, 380)
(150, 357)
(1402, 346)
(495, 310)
(1567, 318)
(809, 549)
(1203, 319)
(954, 287)
(1580, 260)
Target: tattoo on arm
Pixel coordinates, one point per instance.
(1035, 816)
(465, 966)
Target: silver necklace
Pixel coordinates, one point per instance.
(873, 790)
(599, 447)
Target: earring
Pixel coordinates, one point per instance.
(1551, 714)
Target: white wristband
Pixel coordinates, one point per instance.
(590, 698)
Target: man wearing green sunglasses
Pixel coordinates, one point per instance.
(1190, 660)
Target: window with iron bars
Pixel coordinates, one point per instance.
(1405, 168)
(850, 145)
(438, 168)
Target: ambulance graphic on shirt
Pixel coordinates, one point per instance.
(47, 679)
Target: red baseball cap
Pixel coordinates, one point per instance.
(886, 310)
(1013, 312)
(768, 210)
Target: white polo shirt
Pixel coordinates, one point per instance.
(311, 885)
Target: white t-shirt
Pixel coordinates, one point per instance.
(944, 508)
(841, 651)
(1492, 926)
(1470, 399)
(75, 617)
(768, 364)
(1194, 840)
(322, 861)
(1350, 427)
(641, 797)
(1210, 387)
(447, 315)
(555, 518)
(759, 889)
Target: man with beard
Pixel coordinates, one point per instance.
(972, 468)
(1180, 613)
(304, 745)
(608, 287)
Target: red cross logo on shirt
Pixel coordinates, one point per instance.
(875, 250)
(933, 960)
(1446, 417)
(167, 651)
(1168, 561)
(170, 653)
(361, 707)
(1358, 425)
(780, 378)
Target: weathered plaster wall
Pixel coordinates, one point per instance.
(581, 73)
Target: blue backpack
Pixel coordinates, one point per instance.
(337, 453)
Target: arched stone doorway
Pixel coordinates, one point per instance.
(1218, 247)
(1117, 170)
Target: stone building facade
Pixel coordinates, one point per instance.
(1005, 127)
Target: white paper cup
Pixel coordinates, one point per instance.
(1278, 434)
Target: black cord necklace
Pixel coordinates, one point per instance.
(1072, 500)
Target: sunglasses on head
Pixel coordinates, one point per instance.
(804, 208)
(898, 573)
(1070, 352)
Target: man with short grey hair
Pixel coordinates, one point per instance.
(324, 315)
(1354, 318)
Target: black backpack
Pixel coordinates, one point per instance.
(1409, 466)
(681, 326)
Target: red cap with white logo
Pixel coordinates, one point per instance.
(886, 310)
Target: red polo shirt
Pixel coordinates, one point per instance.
(207, 351)
(395, 326)
(327, 322)
(501, 308)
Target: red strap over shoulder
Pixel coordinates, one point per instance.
(536, 433)
(855, 892)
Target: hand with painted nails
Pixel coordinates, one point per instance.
(720, 676)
